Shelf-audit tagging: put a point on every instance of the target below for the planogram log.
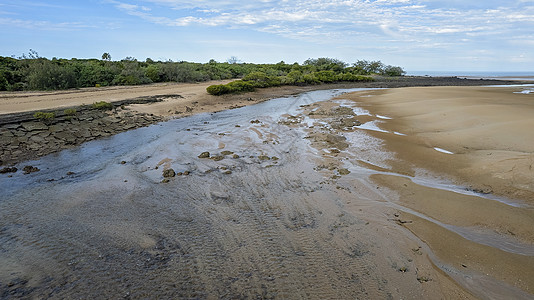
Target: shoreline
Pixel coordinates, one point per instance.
(447, 156)
(20, 143)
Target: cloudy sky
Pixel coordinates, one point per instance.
(433, 35)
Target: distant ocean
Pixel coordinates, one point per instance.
(472, 74)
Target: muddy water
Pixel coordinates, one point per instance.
(271, 217)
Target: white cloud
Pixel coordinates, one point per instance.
(387, 21)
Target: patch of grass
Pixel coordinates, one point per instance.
(44, 116)
(102, 105)
(70, 111)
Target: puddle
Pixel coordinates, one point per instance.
(372, 126)
(443, 150)
(383, 117)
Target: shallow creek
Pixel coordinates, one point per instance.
(269, 217)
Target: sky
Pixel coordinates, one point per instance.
(418, 35)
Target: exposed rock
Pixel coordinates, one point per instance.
(344, 172)
(66, 136)
(37, 139)
(337, 140)
(204, 155)
(31, 126)
(227, 152)
(7, 134)
(109, 120)
(218, 157)
(168, 173)
(8, 170)
(342, 110)
(12, 126)
(345, 123)
(30, 169)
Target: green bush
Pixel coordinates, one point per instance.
(353, 77)
(240, 86)
(44, 116)
(237, 86)
(4, 84)
(152, 72)
(102, 105)
(325, 76)
(310, 79)
(218, 89)
(70, 111)
(50, 75)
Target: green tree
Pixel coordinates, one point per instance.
(152, 72)
(326, 64)
(393, 71)
(106, 56)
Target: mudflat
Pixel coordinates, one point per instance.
(376, 194)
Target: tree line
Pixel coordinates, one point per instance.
(31, 72)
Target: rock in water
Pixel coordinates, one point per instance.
(8, 170)
(169, 173)
(30, 169)
(204, 155)
(344, 172)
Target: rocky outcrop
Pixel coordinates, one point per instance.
(23, 137)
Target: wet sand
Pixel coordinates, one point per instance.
(489, 130)
(479, 138)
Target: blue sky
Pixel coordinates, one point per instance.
(433, 35)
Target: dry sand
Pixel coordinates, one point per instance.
(194, 98)
(32, 101)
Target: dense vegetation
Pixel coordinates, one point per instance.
(31, 72)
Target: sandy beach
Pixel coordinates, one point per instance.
(479, 138)
(409, 192)
(488, 130)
